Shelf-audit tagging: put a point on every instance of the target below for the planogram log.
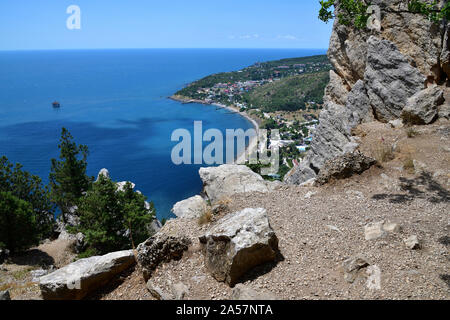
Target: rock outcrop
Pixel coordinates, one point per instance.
(422, 108)
(389, 79)
(344, 166)
(190, 208)
(375, 73)
(158, 249)
(229, 179)
(76, 280)
(239, 242)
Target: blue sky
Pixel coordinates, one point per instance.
(41, 24)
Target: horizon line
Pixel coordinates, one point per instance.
(162, 48)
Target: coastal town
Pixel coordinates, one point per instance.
(236, 91)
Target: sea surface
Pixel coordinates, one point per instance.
(115, 102)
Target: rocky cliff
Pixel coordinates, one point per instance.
(376, 73)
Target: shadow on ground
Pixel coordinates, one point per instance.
(32, 257)
(421, 187)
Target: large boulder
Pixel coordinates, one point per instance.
(230, 179)
(158, 249)
(239, 242)
(390, 79)
(344, 167)
(422, 108)
(190, 208)
(76, 280)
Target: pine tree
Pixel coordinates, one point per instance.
(68, 179)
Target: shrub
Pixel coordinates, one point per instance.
(113, 219)
(205, 218)
(29, 188)
(411, 132)
(18, 225)
(408, 165)
(384, 153)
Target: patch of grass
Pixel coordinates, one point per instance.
(205, 218)
(21, 274)
(411, 132)
(408, 165)
(383, 153)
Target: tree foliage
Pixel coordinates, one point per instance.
(68, 179)
(355, 12)
(112, 218)
(30, 189)
(18, 224)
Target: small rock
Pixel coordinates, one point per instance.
(352, 266)
(412, 242)
(157, 292)
(375, 230)
(242, 292)
(4, 295)
(180, 290)
(397, 123)
(190, 208)
(309, 194)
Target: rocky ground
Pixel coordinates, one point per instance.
(320, 227)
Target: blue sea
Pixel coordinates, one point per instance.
(115, 102)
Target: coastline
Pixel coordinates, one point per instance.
(253, 143)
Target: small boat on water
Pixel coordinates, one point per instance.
(56, 104)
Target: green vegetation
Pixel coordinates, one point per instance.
(237, 87)
(113, 219)
(68, 179)
(26, 213)
(291, 93)
(355, 12)
(18, 225)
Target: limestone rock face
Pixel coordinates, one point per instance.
(422, 108)
(103, 172)
(389, 79)
(190, 208)
(158, 249)
(344, 166)
(239, 242)
(229, 179)
(336, 90)
(81, 277)
(358, 105)
(445, 54)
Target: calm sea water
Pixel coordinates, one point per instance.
(115, 102)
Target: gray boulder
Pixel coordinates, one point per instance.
(344, 167)
(4, 295)
(242, 292)
(229, 179)
(389, 79)
(103, 172)
(158, 249)
(422, 108)
(239, 242)
(190, 208)
(358, 105)
(76, 280)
